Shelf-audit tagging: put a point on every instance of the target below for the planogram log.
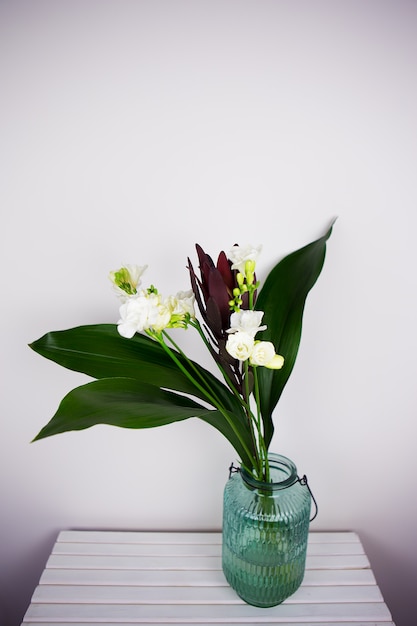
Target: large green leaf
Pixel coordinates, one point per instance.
(127, 403)
(99, 351)
(119, 402)
(282, 298)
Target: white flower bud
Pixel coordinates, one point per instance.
(240, 254)
(246, 321)
(263, 352)
(239, 345)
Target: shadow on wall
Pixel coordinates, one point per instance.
(21, 588)
(396, 579)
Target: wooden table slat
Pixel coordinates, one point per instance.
(187, 562)
(181, 537)
(240, 613)
(204, 549)
(175, 578)
(109, 594)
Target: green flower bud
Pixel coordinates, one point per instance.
(249, 267)
(123, 280)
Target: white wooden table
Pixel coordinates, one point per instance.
(105, 578)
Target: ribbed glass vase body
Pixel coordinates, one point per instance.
(265, 532)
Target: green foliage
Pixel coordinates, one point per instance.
(140, 383)
(134, 372)
(282, 298)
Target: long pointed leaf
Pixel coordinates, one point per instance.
(119, 402)
(126, 403)
(282, 299)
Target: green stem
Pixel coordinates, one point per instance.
(210, 398)
(260, 434)
(264, 463)
(242, 399)
(251, 419)
(190, 363)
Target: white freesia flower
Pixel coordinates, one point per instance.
(135, 273)
(131, 315)
(126, 280)
(246, 321)
(182, 303)
(239, 255)
(143, 312)
(158, 313)
(263, 353)
(240, 345)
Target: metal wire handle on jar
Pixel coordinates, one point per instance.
(303, 481)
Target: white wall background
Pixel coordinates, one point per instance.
(130, 131)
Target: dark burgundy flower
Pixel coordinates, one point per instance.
(213, 291)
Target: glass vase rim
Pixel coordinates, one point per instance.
(277, 461)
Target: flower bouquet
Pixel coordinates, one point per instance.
(144, 379)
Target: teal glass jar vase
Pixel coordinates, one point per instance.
(265, 533)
